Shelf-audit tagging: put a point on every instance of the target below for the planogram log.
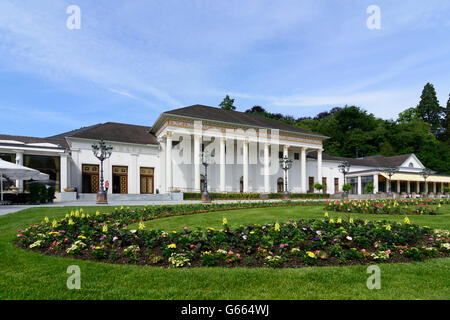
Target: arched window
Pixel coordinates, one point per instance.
(411, 165)
(280, 185)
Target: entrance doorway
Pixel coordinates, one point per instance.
(336, 185)
(311, 184)
(90, 182)
(147, 180)
(280, 185)
(120, 179)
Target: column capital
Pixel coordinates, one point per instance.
(169, 134)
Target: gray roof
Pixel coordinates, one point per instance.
(235, 117)
(369, 161)
(113, 131)
(61, 143)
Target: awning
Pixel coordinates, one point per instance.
(417, 177)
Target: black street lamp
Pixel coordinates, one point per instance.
(102, 152)
(344, 168)
(205, 158)
(390, 171)
(285, 164)
(425, 174)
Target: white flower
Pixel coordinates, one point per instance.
(349, 238)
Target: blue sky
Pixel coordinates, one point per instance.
(132, 60)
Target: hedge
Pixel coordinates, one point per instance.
(253, 196)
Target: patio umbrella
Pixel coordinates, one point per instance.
(18, 172)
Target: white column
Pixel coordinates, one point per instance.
(434, 187)
(19, 160)
(222, 164)
(197, 144)
(375, 183)
(286, 172)
(303, 170)
(359, 185)
(398, 186)
(408, 186)
(245, 165)
(63, 172)
(169, 161)
(425, 187)
(319, 167)
(266, 168)
(417, 186)
(442, 188)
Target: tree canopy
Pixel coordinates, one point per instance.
(227, 103)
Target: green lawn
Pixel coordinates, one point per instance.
(28, 275)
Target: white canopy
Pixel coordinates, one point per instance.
(16, 171)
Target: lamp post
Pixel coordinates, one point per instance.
(390, 171)
(102, 152)
(205, 158)
(425, 174)
(285, 164)
(344, 168)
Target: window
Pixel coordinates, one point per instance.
(365, 180)
(280, 155)
(354, 184)
(45, 164)
(411, 165)
(296, 156)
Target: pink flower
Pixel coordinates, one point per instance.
(191, 246)
(185, 228)
(281, 245)
(388, 251)
(115, 239)
(238, 255)
(230, 253)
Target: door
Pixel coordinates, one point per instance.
(311, 184)
(90, 182)
(120, 179)
(280, 185)
(147, 180)
(324, 184)
(336, 185)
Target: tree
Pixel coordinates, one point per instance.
(256, 109)
(430, 110)
(408, 115)
(446, 137)
(227, 103)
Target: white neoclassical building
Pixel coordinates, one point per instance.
(244, 150)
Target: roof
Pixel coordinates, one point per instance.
(370, 161)
(241, 118)
(61, 143)
(113, 131)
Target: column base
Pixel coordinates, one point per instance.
(286, 196)
(102, 198)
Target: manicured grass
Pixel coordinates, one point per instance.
(29, 275)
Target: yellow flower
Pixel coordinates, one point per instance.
(277, 226)
(351, 220)
(339, 220)
(54, 224)
(331, 220)
(388, 228)
(97, 213)
(71, 222)
(81, 237)
(46, 219)
(224, 221)
(105, 228)
(326, 215)
(141, 226)
(172, 246)
(407, 220)
(310, 254)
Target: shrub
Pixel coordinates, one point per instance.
(208, 259)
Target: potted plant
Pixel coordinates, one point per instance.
(346, 188)
(318, 186)
(369, 189)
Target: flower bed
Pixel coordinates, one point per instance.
(389, 206)
(106, 237)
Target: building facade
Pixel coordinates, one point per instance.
(243, 151)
